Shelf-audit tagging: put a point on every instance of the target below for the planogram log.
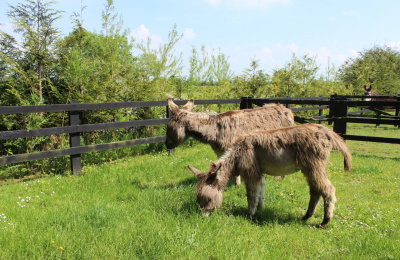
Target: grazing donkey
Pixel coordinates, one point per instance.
(275, 152)
(220, 130)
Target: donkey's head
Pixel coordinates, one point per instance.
(209, 195)
(176, 130)
(368, 92)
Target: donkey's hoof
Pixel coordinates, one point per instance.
(279, 178)
(323, 226)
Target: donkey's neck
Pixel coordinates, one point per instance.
(226, 172)
(204, 128)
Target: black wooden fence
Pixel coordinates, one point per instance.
(337, 105)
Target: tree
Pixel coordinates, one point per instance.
(197, 66)
(298, 77)
(161, 63)
(220, 68)
(34, 20)
(99, 67)
(209, 69)
(253, 82)
(378, 66)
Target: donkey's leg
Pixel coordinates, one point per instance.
(329, 203)
(312, 205)
(320, 185)
(261, 194)
(237, 180)
(253, 187)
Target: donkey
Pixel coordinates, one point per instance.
(220, 130)
(275, 152)
(376, 97)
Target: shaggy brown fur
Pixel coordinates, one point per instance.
(221, 130)
(275, 152)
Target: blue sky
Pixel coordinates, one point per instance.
(268, 30)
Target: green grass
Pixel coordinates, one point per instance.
(145, 208)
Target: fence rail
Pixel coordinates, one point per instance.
(337, 105)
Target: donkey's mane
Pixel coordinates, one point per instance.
(229, 116)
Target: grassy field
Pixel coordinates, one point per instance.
(145, 208)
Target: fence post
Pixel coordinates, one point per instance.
(75, 141)
(288, 105)
(396, 113)
(338, 109)
(320, 113)
(168, 113)
(245, 103)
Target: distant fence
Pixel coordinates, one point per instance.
(337, 105)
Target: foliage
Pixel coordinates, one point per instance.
(34, 20)
(378, 66)
(209, 69)
(253, 82)
(161, 63)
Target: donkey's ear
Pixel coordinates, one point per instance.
(215, 167)
(367, 89)
(189, 105)
(172, 106)
(196, 172)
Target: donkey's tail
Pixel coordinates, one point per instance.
(339, 144)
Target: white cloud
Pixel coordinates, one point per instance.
(188, 34)
(247, 3)
(142, 34)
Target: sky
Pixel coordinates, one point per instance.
(269, 31)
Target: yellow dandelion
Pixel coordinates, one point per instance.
(52, 242)
(61, 248)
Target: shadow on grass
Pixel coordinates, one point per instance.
(370, 156)
(267, 216)
(184, 183)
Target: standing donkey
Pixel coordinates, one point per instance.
(278, 152)
(373, 96)
(221, 130)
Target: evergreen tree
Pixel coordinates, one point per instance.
(34, 21)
